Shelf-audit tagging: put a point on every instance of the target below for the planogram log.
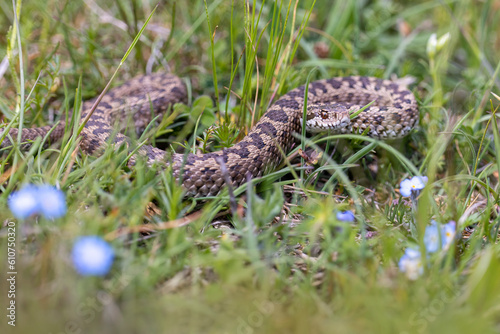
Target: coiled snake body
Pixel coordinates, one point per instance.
(392, 114)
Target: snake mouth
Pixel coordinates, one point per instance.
(338, 125)
(327, 117)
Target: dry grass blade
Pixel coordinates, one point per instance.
(147, 228)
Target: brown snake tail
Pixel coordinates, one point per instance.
(393, 114)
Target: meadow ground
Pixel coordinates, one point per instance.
(283, 261)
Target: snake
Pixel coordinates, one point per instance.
(390, 112)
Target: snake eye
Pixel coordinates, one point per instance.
(324, 114)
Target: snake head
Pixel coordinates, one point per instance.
(327, 117)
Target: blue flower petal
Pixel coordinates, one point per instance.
(24, 202)
(405, 188)
(402, 263)
(448, 232)
(418, 182)
(412, 253)
(92, 256)
(52, 202)
(431, 237)
(345, 216)
(411, 264)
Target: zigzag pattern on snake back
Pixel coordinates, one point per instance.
(393, 114)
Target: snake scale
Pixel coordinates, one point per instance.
(393, 114)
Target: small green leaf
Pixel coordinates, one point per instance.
(264, 210)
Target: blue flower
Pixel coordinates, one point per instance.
(52, 202)
(44, 199)
(92, 256)
(431, 237)
(448, 232)
(436, 237)
(416, 183)
(24, 202)
(411, 263)
(345, 216)
(439, 237)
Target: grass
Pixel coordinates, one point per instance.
(281, 261)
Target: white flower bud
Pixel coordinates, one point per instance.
(431, 46)
(442, 41)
